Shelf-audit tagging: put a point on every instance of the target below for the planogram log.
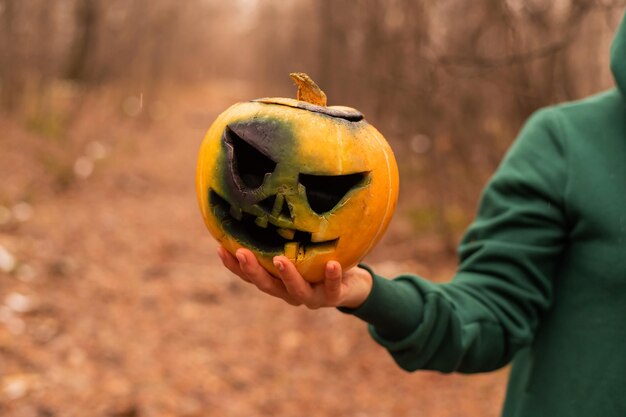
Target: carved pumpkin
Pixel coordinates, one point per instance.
(294, 177)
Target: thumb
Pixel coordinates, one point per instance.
(332, 282)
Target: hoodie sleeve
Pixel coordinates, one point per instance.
(508, 258)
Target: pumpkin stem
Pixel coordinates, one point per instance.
(307, 89)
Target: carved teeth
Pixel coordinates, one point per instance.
(261, 221)
(236, 212)
(278, 205)
(291, 250)
(287, 233)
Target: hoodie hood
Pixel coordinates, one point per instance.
(618, 57)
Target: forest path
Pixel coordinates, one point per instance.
(118, 305)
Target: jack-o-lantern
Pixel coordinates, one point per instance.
(297, 178)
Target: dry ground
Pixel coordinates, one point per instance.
(116, 304)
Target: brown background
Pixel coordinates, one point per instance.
(112, 301)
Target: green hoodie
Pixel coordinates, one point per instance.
(542, 274)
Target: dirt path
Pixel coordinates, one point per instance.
(117, 306)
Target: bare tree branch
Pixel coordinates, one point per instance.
(497, 62)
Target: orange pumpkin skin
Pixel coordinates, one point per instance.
(282, 176)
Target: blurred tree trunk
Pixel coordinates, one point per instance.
(44, 59)
(10, 81)
(84, 42)
(326, 42)
(373, 59)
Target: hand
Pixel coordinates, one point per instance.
(339, 289)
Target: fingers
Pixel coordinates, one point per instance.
(231, 263)
(332, 282)
(291, 286)
(256, 274)
(296, 286)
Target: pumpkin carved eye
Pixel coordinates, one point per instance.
(249, 164)
(324, 192)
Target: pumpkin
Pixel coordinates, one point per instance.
(296, 177)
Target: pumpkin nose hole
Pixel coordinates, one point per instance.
(277, 206)
(249, 165)
(268, 203)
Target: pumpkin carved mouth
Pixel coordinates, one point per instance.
(259, 232)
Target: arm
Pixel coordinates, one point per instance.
(509, 257)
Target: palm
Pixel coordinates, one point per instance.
(348, 289)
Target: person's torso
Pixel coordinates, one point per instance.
(576, 365)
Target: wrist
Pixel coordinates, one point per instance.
(362, 283)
